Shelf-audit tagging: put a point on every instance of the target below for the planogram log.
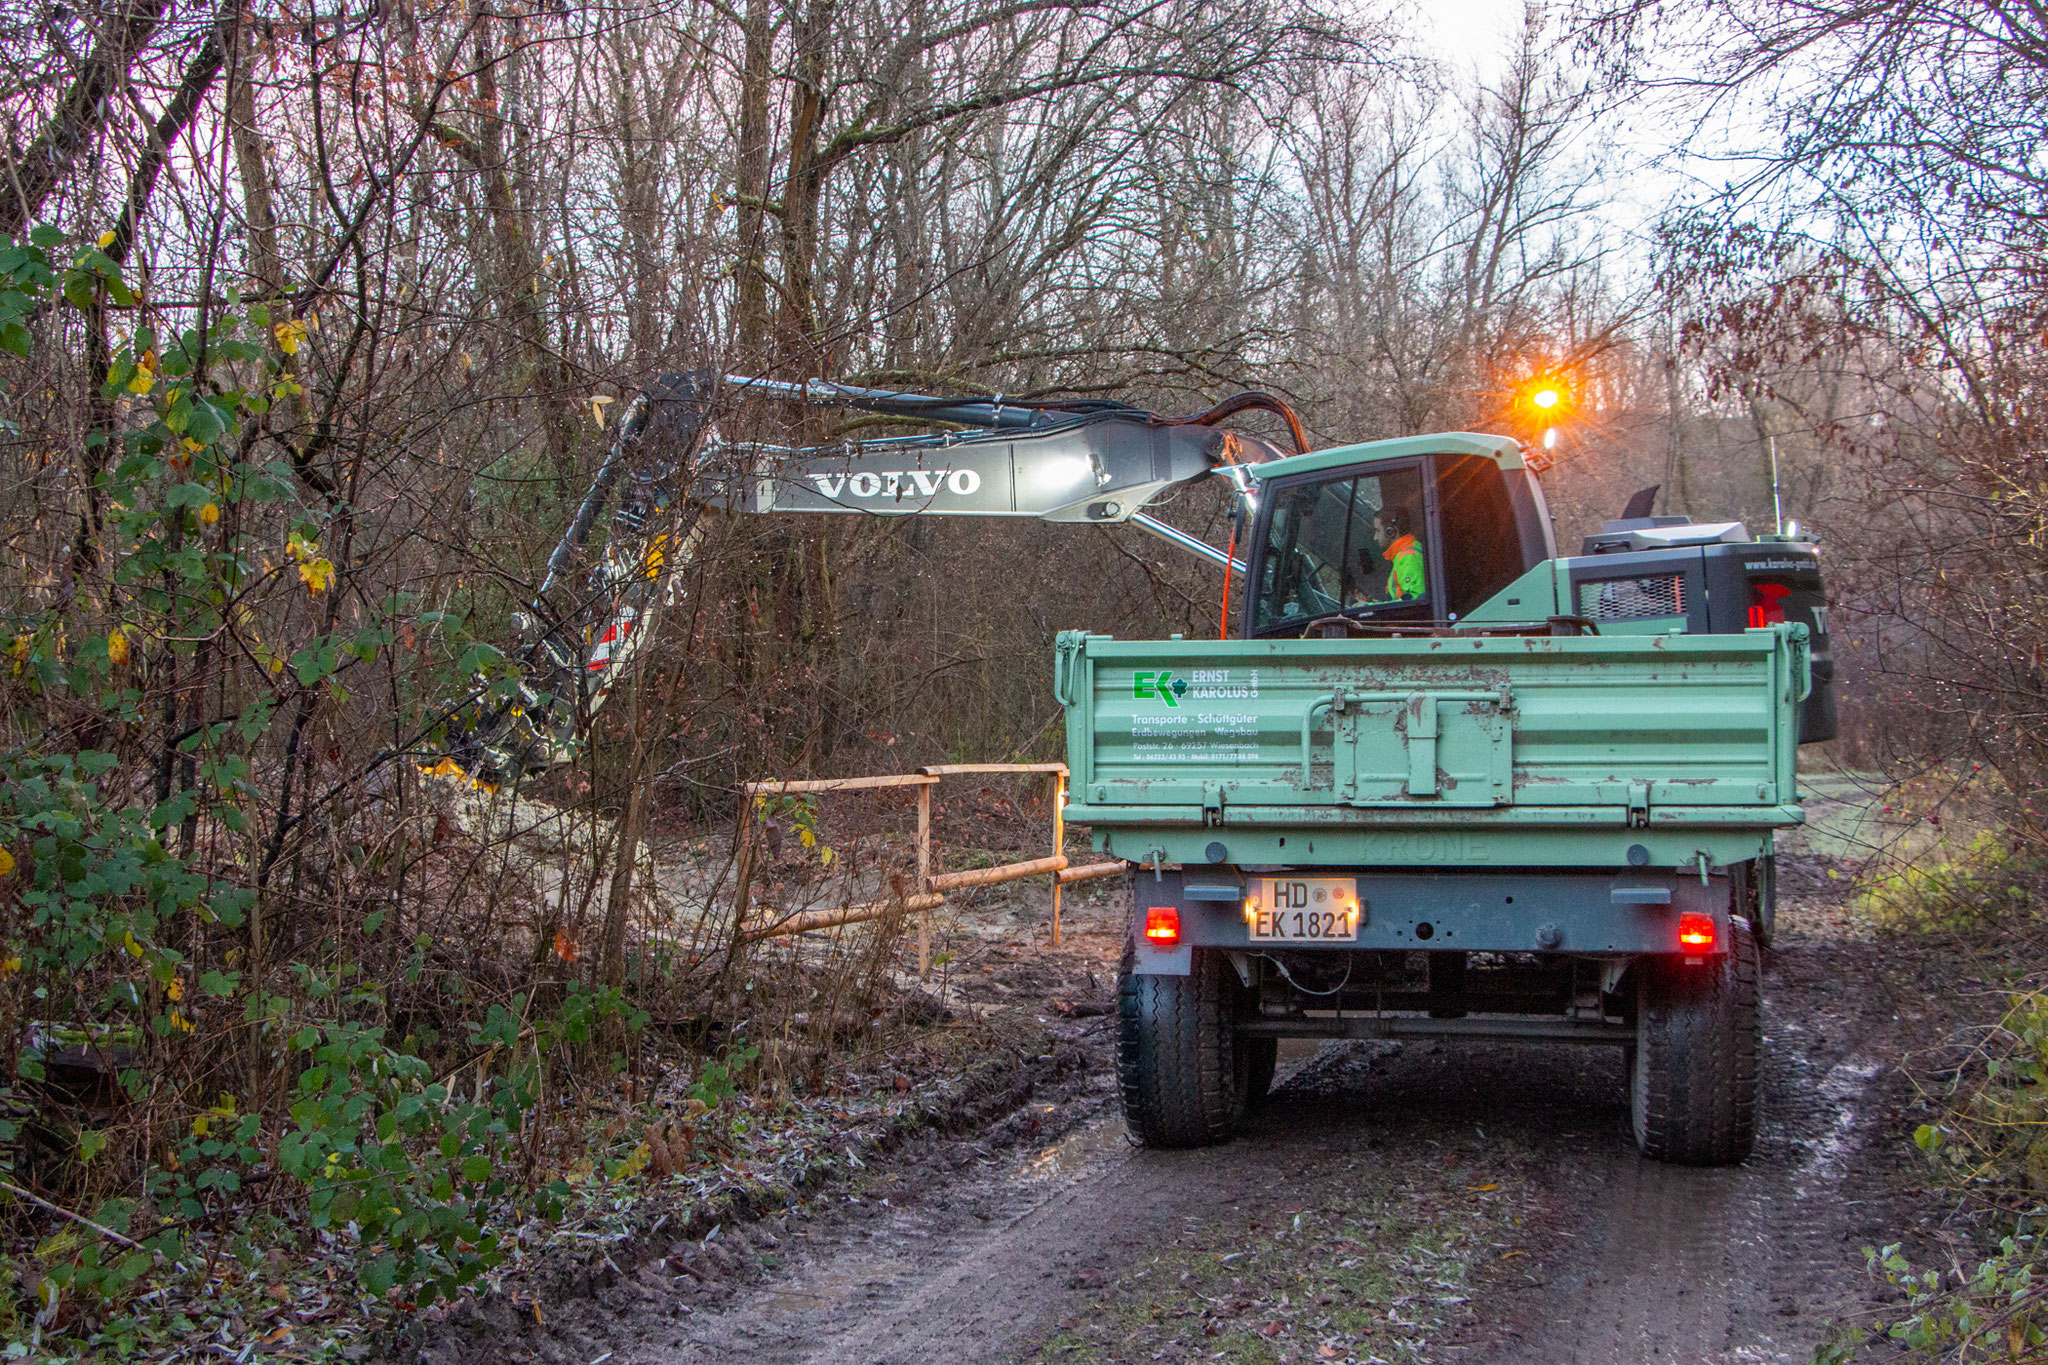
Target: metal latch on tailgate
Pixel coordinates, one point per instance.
(1212, 804)
(1638, 805)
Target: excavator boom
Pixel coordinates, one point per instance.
(1083, 460)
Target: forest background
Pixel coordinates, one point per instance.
(317, 319)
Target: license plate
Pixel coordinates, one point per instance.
(1304, 910)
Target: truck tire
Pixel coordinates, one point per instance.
(1261, 1057)
(1693, 1080)
(1764, 898)
(1753, 894)
(1178, 1060)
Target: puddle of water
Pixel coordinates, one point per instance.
(1841, 1087)
(1077, 1149)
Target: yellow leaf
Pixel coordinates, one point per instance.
(134, 948)
(289, 335)
(143, 381)
(117, 648)
(106, 239)
(10, 965)
(597, 402)
(316, 574)
(193, 445)
(175, 990)
(209, 514)
(6, 862)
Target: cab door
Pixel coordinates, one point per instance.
(1356, 543)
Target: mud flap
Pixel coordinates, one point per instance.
(1147, 960)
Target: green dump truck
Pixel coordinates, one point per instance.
(1447, 782)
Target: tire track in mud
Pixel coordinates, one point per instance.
(1746, 1264)
(1642, 1262)
(956, 1250)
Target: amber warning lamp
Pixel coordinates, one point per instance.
(1546, 401)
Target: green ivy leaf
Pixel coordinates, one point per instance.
(379, 1275)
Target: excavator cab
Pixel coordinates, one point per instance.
(1411, 533)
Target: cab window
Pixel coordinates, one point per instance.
(1353, 542)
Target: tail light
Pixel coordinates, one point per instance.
(1767, 603)
(1696, 931)
(1162, 926)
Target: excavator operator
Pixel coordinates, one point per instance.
(1395, 527)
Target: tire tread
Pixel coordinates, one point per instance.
(1176, 1055)
(1695, 1082)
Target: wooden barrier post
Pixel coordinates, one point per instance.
(931, 886)
(1059, 844)
(924, 881)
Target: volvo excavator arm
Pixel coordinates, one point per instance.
(1066, 461)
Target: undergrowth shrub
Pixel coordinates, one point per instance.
(1992, 882)
(219, 1040)
(1989, 1138)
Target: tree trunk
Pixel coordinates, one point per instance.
(804, 185)
(751, 186)
(619, 902)
(517, 266)
(79, 116)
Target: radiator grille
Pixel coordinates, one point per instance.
(1633, 599)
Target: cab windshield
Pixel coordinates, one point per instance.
(1350, 542)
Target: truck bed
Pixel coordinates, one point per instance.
(1642, 750)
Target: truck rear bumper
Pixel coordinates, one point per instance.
(1529, 910)
(1561, 838)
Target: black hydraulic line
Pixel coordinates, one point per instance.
(998, 412)
(1253, 400)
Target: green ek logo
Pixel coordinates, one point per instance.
(1161, 686)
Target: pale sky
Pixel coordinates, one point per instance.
(1653, 159)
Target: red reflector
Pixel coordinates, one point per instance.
(1162, 925)
(1696, 930)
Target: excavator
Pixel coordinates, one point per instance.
(1444, 781)
(1475, 511)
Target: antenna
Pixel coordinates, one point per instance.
(1777, 498)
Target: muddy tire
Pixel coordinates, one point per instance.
(1764, 900)
(1260, 1058)
(1753, 894)
(1694, 1079)
(1178, 1059)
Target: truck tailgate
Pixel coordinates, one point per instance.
(1523, 727)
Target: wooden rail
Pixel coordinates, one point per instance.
(838, 784)
(1089, 872)
(988, 876)
(805, 921)
(932, 888)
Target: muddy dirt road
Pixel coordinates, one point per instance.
(1390, 1202)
